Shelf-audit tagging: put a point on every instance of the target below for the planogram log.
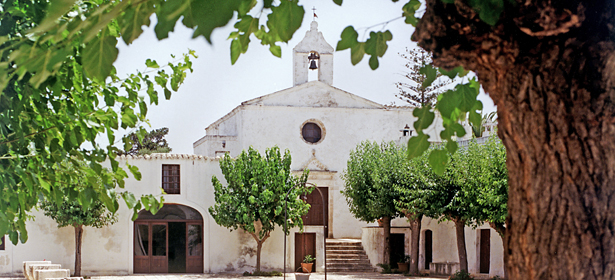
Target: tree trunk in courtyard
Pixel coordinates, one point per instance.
(259, 247)
(461, 244)
(549, 66)
(386, 229)
(78, 239)
(415, 232)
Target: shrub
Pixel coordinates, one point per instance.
(461, 275)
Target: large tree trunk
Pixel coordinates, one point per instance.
(78, 239)
(461, 244)
(415, 228)
(549, 66)
(386, 228)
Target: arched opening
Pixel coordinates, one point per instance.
(170, 241)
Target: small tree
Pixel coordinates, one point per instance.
(372, 170)
(413, 91)
(254, 198)
(78, 208)
(145, 143)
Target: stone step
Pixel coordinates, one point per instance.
(347, 257)
(344, 247)
(351, 269)
(366, 260)
(345, 252)
(51, 273)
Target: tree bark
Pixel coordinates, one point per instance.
(549, 66)
(386, 228)
(259, 247)
(78, 239)
(461, 244)
(415, 228)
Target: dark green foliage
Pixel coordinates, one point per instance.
(145, 143)
(461, 275)
(255, 194)
(372, 172)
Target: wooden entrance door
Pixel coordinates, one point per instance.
(305, 244)
(194, 247)
(314, 216)
(485, 250)
(428, 248)
(150, 247)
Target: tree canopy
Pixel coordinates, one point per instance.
(145, 143)
(78, 211)
(258, 190)
(413, 90)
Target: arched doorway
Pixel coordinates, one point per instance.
(170, 241)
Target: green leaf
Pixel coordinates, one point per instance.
(438, 160)
(348, 39)
(488, 10)
(338, 2)
(447, 103)
(275, 50)
(467, 96)
(417, 145)
(377, 43)
(454, 72)
(285, 19)
(98, 57)
(151, 64)
(56, 9)
(130, 200)
(452, 146)
(167, 15)
(207, 15)
(430, 73)
(357, 53)
(236, 50)
(135, 171)
(133, 18)
(409, 10)
(424, 116)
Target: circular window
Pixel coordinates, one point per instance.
(312, 132)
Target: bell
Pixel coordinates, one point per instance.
(313, 65)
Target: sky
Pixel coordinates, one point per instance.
(216, 87)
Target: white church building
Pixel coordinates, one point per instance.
(312, 119)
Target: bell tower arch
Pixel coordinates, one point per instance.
(313, 45)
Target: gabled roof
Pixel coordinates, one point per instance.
(314, 94)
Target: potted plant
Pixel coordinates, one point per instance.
(308, 262)
(402, 264)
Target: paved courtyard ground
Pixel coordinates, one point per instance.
(289, 276)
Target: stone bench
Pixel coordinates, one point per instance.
(51, 273)
(27, 264)
(443, 268)
(38, 266)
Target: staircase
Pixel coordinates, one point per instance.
(347, 255)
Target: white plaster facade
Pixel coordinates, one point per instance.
(275, 119)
